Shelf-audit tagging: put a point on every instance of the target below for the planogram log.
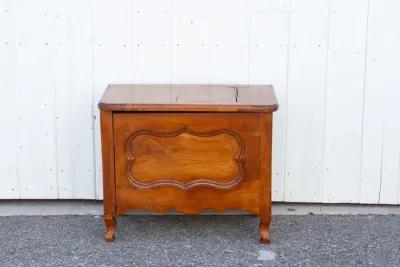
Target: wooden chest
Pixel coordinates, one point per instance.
(188, 148)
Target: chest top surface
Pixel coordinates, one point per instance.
(191, 98)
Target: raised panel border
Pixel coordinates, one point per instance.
(201, 182)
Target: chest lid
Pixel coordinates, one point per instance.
(189, 98)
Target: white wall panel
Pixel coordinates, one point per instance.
(9, 177)
(112, 59)
(344, 100)
(151, 41)
(190, 41)
(74, 94)
(334, 65)
(389, 12)
(268, 65)
(229, 41)
(306, 100)
(36, 99)
(381, 139)
(270, 5)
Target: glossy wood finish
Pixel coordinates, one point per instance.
(186, 155)
(205, 188)
(188, 161)
(107, 146)
(265, 176)
(200, 98)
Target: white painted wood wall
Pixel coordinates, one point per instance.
(335, 65)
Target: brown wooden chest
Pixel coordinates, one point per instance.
(188, 148)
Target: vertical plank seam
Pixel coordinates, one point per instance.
(55, 120)
(19, 110)
(283, 194)
(171, 44)
(16, 96)
(363, 105)
(52, 11)
(322, 175)
(18, 152)
(93, 115)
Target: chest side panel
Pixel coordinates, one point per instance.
(187, 161)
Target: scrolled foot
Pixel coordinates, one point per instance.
(264, 234)
(109, 236)
(111, 225)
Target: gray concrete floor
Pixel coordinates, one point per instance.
(91, 207)
(231, 240)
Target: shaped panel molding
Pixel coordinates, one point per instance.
(184, 159)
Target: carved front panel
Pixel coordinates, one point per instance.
(184, 158)
(186, 161)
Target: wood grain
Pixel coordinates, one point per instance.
(107, 145)
(265, 176)
(197, 98)
(184, 158)
(244, 195)
(189, 161)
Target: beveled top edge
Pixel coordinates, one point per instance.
(189, 97)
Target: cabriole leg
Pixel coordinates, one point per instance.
(265, 177)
